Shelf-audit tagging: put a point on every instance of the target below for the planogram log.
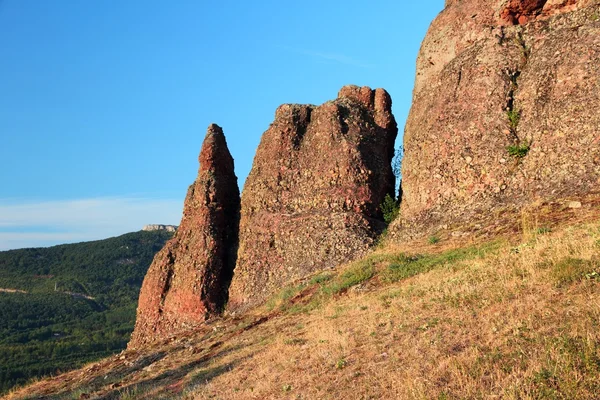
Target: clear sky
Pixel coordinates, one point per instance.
(104, 104)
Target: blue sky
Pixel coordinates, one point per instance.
(104, 104)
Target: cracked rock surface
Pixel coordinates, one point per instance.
(505, 109)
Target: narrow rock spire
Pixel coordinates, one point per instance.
(189, 278)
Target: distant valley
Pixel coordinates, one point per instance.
(64, 306)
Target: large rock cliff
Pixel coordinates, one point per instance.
(505, 109)
(189, 278)
(312, 198)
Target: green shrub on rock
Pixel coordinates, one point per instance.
(390, 209)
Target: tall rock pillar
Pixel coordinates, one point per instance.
(189, 278)
(312, 198)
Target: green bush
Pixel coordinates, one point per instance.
(518, 150)
(514, 116)
(390, 209)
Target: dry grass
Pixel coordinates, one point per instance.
(505, 320)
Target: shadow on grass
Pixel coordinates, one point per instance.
(170, 383)
(116, 375)
(113, 377)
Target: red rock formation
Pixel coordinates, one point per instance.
(189, 278)
(312, 198)
(522, 11)
(503, 115)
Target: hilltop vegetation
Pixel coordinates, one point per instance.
(66, 305)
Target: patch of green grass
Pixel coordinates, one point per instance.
(571, 370)
(282, 298)
(330, 285)
(543, 230)
(130, 393)
(407, 266)
(358, 273)
(389, 267)
(433, 239)
(80, 393)
(321, 278)
(304, 308)
(518, 150)
(570, 270)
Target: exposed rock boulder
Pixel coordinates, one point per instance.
(505, 109)
(189, 278)
(312, 198)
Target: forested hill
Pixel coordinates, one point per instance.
(66, 305)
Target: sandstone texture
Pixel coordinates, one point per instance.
(189, 278)
(505, 109)
(312, 198)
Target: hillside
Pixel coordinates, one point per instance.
(66, 305)
(485, 285)
(438, 318)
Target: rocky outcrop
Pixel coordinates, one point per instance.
(189, 278)
(524, 11)
(504, 109)
(312, 198)
(159, 227)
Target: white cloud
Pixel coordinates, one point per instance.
(48, 223)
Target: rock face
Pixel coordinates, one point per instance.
(312, 198)
(159, 227)
(505, 108)
(189, 278)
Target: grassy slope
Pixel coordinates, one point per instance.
(43, 331)
(514, 319)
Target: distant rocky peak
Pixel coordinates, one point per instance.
(159, 227)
